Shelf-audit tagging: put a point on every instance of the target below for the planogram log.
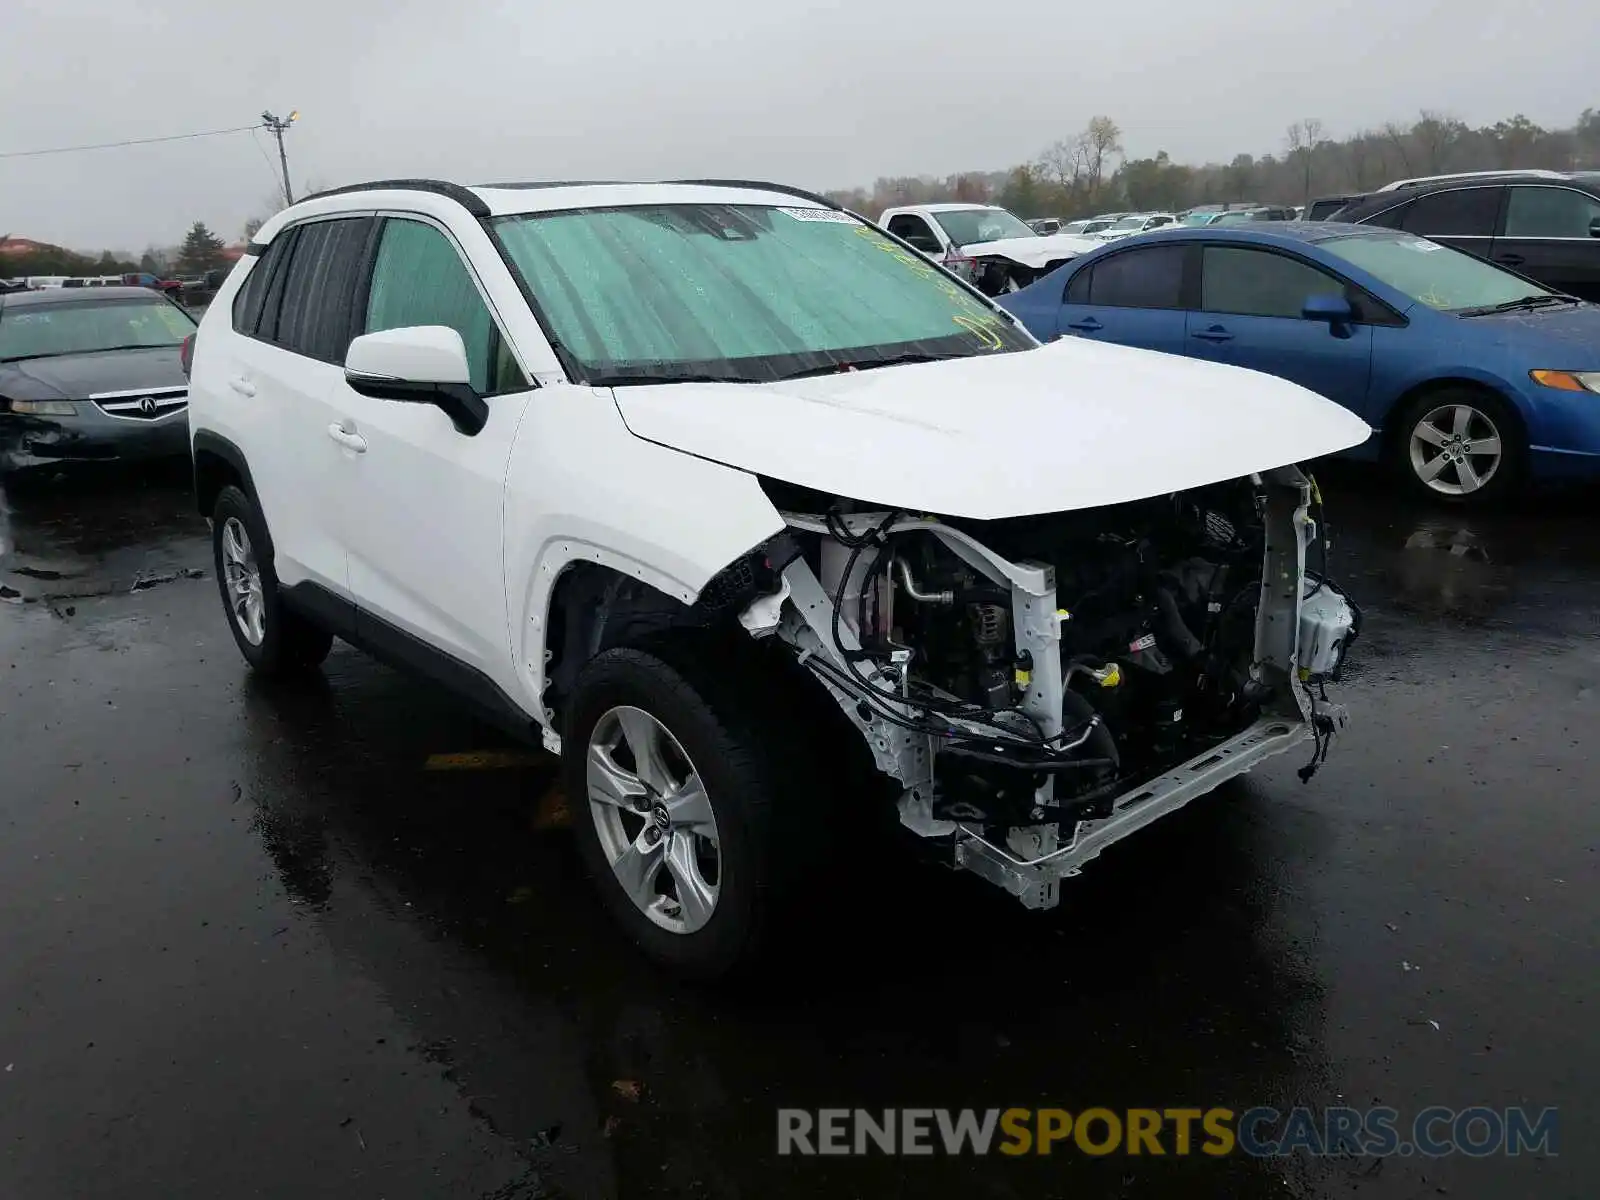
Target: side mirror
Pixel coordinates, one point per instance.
(1594, 228)
(420, 364)
(1335, 310)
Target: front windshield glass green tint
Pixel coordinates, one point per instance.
(747, 292)
(1433, 274)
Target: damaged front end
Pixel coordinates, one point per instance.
(1042, 687)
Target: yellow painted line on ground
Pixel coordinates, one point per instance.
(485, 760)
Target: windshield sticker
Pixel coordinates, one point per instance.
(1424, 247)
(821, 214)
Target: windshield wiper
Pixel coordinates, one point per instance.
(1524, 303)
(866, 364)
(31, 357)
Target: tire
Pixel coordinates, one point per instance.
(1456, 424)
(274, 640)
(703, 723)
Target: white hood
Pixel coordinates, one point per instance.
(1074, 424)
(1033, 252)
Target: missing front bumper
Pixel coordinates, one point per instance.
(1034, 881)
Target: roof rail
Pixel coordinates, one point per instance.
(535, 184)
(439, 187)
(762, 186)
(1420, 180)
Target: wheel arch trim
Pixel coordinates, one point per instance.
(207, 444)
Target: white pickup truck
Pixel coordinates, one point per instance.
(989, 247)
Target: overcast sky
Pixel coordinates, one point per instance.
(804, 91)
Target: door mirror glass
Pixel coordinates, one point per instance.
(1333, 309)
(422, 364)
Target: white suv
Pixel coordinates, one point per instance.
(759, 519)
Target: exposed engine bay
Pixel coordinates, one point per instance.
(1042, 686)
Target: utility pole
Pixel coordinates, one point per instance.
(278, 128)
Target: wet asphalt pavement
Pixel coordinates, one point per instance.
(254, 946)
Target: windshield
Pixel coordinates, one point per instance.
(1436, 275)
(744, 293)
(1233, 218)
(48, 330)
(968, 225)
(1130, 223)
(1096, 226)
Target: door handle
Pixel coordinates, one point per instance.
(242, 385)
(1511, 260)
(1087, 325)
(347, 438)
(1215, 334)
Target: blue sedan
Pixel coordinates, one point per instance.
(1476, 378)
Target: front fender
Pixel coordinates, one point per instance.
(581, 488)
(1401, 387)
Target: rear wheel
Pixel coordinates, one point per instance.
(1461, 446)
(273, 639)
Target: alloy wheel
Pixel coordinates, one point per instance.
(1456, 449)
(654, 819)
(243, 577)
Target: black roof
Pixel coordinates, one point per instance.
(77, 295)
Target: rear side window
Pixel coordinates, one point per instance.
(252, 295)
(314, 316)
(1459, 212)
(1151, 278)
(419, 279)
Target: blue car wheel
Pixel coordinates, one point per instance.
(1460, 445)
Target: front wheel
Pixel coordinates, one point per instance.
(1460, 445)
(676, 786)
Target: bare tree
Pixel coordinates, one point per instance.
(1102, 139)
(1397, 135)
(1434, 135)
(1065, 161)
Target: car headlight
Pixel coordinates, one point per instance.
(1568, 381)
(44, 408)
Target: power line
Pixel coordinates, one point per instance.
(175, 137)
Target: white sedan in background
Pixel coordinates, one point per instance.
(1135, 223)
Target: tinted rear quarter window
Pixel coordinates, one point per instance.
(247, 305)
(1458, 212)
(316, 317)
(1150, 278)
